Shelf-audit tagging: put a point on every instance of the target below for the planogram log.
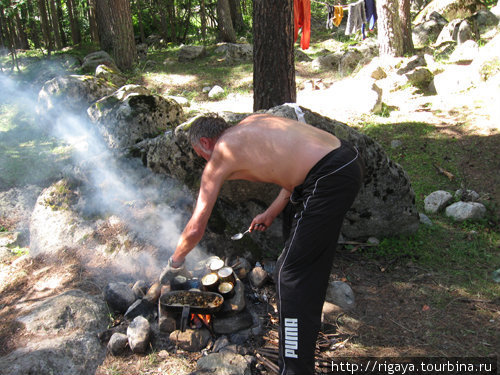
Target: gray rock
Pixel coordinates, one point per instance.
(119, 296)
(465, 53)
(9, 239)
(449, 33)
(420, 77)
(235, 52)
(183, 102)
(349, 62)
(436, 201)
(427, 32)
(140, 307)
(243, 267)
(340, 294)
(94, 59)
(132, 114)
(63, 337)
(216, 92)
(73, 94)
(485, 19)
(189, 53)
(373, 241)
(220, 343)
(54, 225)
(138, 333)
(236, 303)
(233, 323)
(117, 343)
(466, 195)
(424, 219)
(109, 74)
(396, 143)
(412, 64)
(140, 288)
(461, 211)
(224, 364)
(258, 276)
(191, 340)
(465, 32)
(455, 78)
(327, 62)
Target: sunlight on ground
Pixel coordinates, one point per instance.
(169, 79)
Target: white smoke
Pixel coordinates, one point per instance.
(154, 208)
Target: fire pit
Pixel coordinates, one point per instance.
(196, 302)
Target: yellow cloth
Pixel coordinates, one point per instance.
(338, 14)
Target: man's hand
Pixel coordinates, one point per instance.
(172, 270)
(261, 222)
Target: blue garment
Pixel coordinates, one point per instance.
(371, 13)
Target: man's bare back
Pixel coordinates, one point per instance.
(272, 149)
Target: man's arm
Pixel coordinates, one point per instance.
(268, 216)
(211, 181)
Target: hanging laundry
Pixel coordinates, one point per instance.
(329, 19)
(371, 13)
(338, 15)
(356, 17)
(302, 20)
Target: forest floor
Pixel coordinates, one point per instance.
(426, 295)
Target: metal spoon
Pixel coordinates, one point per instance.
(239, 236)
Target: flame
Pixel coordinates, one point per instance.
(199, 320)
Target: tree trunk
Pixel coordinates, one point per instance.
(114, 19)
(236, 16)
(273, 54)
(76, 36)
(142, 36)
(55, 24)
(45, 26)
(104, 25)
(405, 16)
(226, 30)
(203, 19)
(21, 33)
(390, 30)
(94, 29)
(3, 34)
(60, 21)
(33, 33)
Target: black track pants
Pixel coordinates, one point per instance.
(304, 267)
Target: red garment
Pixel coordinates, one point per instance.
(302, 19)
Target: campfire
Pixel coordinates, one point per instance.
(202, 312)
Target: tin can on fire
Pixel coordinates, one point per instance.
(226, 274)
(214, 264)
(226, 289)
(210, 282)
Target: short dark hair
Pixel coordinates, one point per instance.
(209, 126)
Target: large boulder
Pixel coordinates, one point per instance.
(132, 114)
(428, 31)
(385, 205)
(94, 59)
(450, 9)
(70, 94)
(63, 338)
(235, 52)
(189, 53)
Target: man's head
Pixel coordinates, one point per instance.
(204, 132)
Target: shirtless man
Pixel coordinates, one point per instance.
(318, 173)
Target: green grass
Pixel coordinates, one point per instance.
(466, 254)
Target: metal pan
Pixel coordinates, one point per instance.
(188, 301)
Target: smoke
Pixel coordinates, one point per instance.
(153, 208)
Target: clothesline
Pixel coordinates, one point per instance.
(320, 2)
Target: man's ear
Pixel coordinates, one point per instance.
(205, 143)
